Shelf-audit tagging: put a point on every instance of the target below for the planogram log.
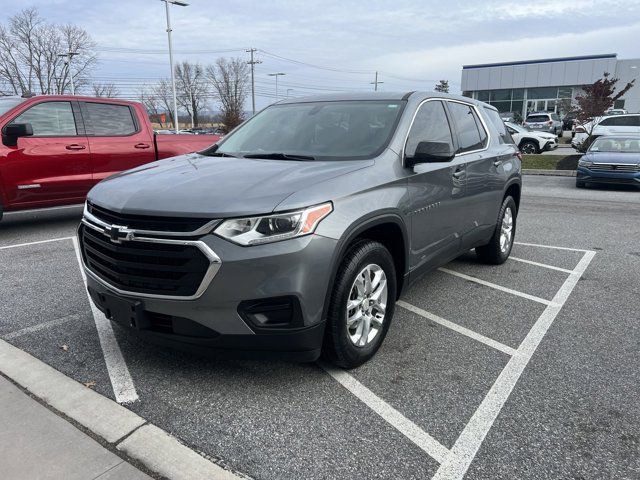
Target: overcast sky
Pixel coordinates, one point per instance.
(411, 43)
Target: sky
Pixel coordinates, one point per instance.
(327, 46)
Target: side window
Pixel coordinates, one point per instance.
(471, 133)
(50, 119)
(607, 122)
(429, 125)
(110, 120)
(504, 133)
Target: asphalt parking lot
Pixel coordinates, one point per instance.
(525, 370)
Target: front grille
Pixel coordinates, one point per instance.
(147, 222)
(144, 267)
(618, 167)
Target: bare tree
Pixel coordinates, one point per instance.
(30, 52)
(151, 102)
(163, 96)
(230, 79)
(191, 85)
(107, 90)
(442, 86)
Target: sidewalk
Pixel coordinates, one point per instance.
(35, 443)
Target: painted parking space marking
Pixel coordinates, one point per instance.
(6, 247)
(401, 423)
(42, 326)
(552, 247)
(538, 264)
(496, 286)
(121, 381)
(471, 438)
(458, 328)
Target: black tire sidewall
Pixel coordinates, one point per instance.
(343, 351)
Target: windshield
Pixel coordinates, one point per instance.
(517, 128)
(8, 103)
(622, 145)
(315, 131)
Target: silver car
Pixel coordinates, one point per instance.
(544, 122)
(296, 233)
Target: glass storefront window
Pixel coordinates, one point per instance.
(483, 95)
(502, 106)
(542, 92)
(564, 92)
(500, 95)
(518, 93)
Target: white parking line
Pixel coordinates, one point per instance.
(538, 264)
(471, 438)
(496, 286)
(552, 247)
(42, 326)
(35, 243)
(121, 381)
(405, 426)
(458, 328)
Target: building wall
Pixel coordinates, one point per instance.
(626, 71)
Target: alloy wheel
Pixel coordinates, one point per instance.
(506, 230)
(366, 306)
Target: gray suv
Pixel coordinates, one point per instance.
(296, 233)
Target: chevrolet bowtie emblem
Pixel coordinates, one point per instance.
(118, 233)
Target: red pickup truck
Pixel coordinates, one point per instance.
(56, 147)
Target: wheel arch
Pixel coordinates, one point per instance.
(388, 229)
(514, 189)
(530, 139)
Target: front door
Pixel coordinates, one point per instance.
(53, 166)
(436, 191)
(116, 139)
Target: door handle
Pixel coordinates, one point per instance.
(497, 163)
(458, 173)
(75, 146)
(141, 145)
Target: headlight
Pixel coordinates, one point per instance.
(585, 163)
(271, 228)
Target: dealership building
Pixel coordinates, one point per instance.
(548, 84)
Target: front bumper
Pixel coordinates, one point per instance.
(550, 145)
(298, 270)
(584, 174)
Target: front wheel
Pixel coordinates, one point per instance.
(528, 147)
(580, 184)
(362, 305)
(499, 247)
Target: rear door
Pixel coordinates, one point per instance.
(53, 166)
(436, 191)
(485, 176)
(116, 138)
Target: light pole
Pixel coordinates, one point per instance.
(68, 56)
(276, 75)
(173, 79)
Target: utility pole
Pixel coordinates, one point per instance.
(252, 62)
(68, 56)
(376, 82)
(173, 79)
(276, 75)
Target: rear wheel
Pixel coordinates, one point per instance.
(362, 305)
(528, 147)
(499, 247)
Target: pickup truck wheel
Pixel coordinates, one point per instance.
(499, 247)
(528, 147)
(362, 305)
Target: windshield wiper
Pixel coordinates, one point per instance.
(280, 156)
(220, 154)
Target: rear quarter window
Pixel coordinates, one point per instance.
(471, 134)
(496, 121)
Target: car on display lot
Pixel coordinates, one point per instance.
(623, 124)
(56, 147)
(530, 141)
(297, 232)
(617, 111)
(610, 160)
(544, 122)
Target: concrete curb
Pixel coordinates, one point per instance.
(150, 445)
(554, 173)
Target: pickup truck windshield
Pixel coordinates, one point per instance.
(315, 131)
(7, 104)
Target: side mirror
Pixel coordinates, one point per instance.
(428, 152)
(13, 131)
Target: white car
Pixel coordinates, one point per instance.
(624, 124)
(531, 141)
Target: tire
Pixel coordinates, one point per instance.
(495, 252)
(528, 147)
(347, 346)
(580, 184)
(559, 133)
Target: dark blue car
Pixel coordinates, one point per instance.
(611, 159)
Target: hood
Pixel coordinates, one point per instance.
(195, 185)
(612, 157)
(544, 135)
